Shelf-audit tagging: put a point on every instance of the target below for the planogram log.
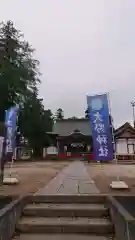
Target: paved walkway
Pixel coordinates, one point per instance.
(73, 179)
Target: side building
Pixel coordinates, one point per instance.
(125, 143)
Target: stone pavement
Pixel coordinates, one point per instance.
(73, 179)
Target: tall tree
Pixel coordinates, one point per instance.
(34, 124)
(59, 114)
(19, 78)
(19, 73)
(74, 118)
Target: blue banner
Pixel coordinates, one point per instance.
(100, 127)
(10, 123)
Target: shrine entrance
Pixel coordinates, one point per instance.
(75, 144)
(76, 147)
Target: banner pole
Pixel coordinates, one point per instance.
(11, 166)
(10, 124)
(116, 184)
(113, 137)
(3, 157)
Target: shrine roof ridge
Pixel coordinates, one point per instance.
(66, 127)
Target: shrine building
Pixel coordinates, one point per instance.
(71, 138)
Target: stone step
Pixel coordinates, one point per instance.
(65, 210)
(98, 226)
(59, 237)
(69, 198)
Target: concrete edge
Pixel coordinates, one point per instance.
(69, 198)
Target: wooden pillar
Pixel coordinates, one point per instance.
(60, 147)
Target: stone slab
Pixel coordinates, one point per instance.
(73, 179)
(86, 188)
(69, 186)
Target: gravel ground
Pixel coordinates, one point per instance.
(31, 176)
(104, 174)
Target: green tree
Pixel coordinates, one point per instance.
(19, 78)
(59, 114)
(1, 129)
(34, 124)
(19, 73)
(74, 118)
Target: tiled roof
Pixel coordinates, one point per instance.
(66, 127)
(124, 127)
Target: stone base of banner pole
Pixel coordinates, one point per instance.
(120, 185)
(10, 181)
(117, 184)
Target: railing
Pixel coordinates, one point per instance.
(124, 222)
(125, 157)
(9, 217)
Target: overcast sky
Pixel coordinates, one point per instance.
(84, 47)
